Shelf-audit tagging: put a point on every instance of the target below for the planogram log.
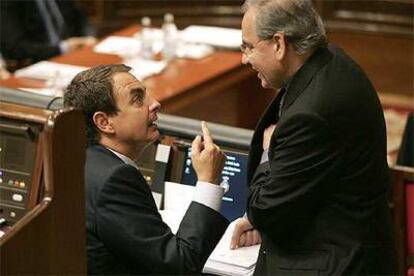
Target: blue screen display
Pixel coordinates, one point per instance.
(233, 178)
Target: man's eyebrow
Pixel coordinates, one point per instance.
(246, 43)
(138, 90)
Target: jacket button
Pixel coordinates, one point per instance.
(264, 252)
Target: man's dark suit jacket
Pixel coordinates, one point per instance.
(24, 34)
(320, 201)
(125, 233)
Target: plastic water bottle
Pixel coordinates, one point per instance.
(146, 38)
(170, 37)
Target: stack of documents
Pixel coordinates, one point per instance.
(214, 36)
(144, 68)
(50, 71)
(118, 45)
(194, 51)
(222, 261)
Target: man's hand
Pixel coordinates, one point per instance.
(208, 160)
(4, 74)
(244, 234)
(267, 135)
(74, 43)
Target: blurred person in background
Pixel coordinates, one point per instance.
(34, 30)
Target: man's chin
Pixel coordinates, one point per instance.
(154, 135)
(265, 84)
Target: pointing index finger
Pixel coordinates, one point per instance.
(206, 133)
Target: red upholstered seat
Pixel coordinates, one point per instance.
(409, 197)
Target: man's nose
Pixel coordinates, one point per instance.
(155, 105)
(245, 58)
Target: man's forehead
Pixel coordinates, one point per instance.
(126, 80)
(248, 26)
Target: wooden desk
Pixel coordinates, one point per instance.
(217, 88)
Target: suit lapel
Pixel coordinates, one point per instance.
(304, 75)
(297, 84)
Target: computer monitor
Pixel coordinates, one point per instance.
(233, 178)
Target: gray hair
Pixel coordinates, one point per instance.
(297, 19)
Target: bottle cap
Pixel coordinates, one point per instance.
(146, 21)
(168, 17)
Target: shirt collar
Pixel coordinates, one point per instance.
(124, 158)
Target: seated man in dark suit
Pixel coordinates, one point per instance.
(125, 232)
(34, 30)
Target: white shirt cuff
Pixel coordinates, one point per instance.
(209, 195)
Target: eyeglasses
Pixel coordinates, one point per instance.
(247, 49)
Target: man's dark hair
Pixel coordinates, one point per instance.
(91, 91)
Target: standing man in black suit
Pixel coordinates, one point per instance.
(125, 232)
(34, 30)
(317, 172)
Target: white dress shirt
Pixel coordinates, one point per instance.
(205, 193)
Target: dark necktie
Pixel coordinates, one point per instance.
(282, 92)
(56, 16)
(52, 19)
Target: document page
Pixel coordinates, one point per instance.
(222, 261)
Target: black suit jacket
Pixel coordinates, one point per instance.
(24, 35)
(321, 200)
(125, 233)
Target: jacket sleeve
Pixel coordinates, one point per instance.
(131, 228)
(285, 192)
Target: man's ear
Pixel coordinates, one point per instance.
(280, 45)
(103, 122)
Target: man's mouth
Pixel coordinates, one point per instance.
(153, 122)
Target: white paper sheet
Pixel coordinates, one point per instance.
(157, 198)
(222, 261)
(118, 45)
(143, 68)
(244, 257)
(215, 36)
(58, 74)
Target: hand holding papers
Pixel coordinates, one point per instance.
(244, 234)
(223, 260)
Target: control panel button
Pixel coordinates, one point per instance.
(17, 197)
